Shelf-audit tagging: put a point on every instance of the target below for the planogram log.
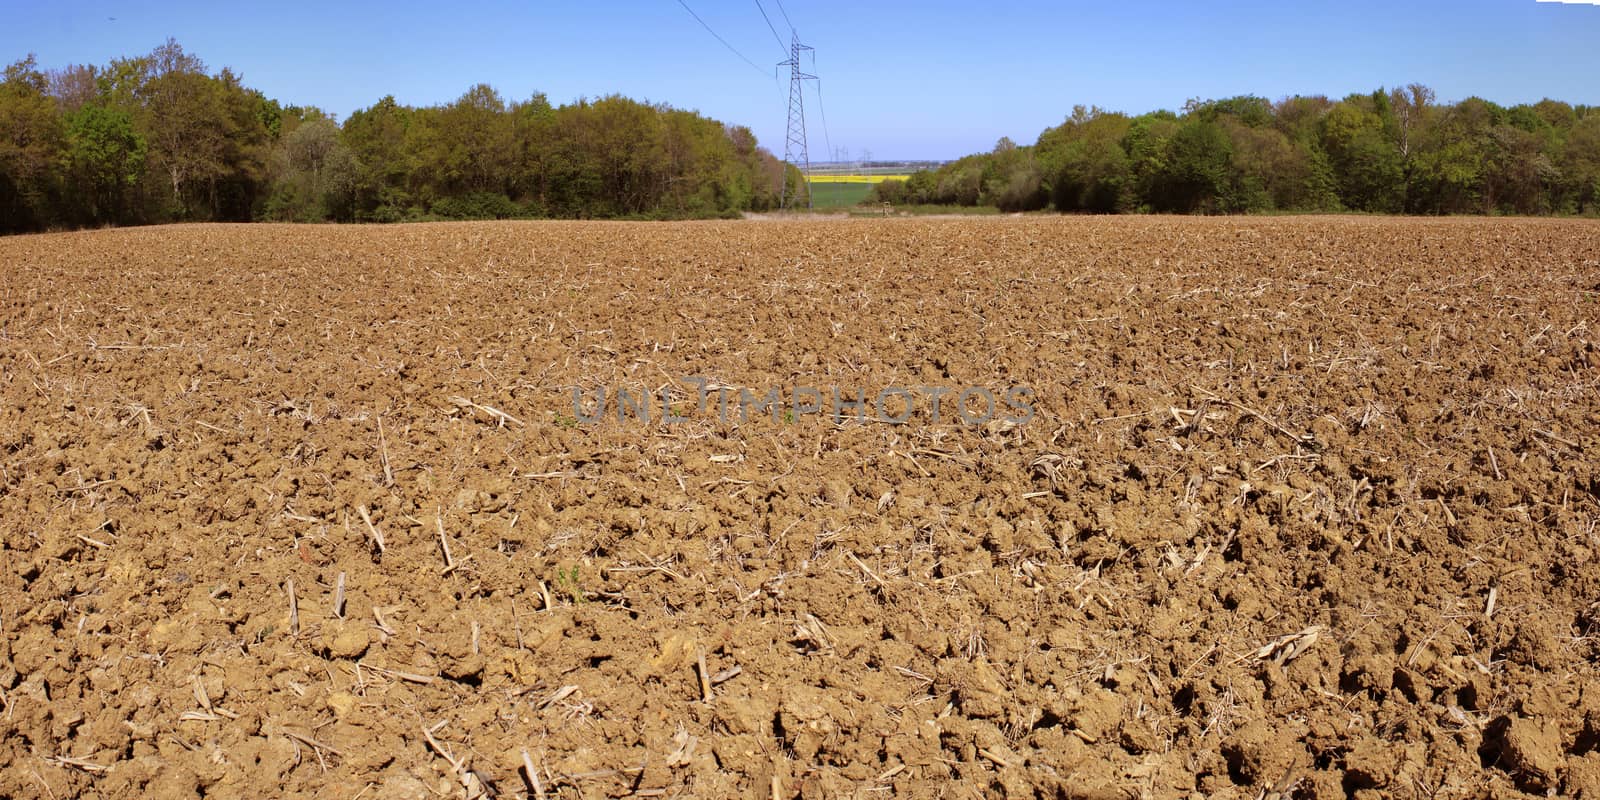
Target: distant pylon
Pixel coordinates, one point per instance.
(794, 144)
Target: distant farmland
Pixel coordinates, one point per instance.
(842, 190)
(855, 178)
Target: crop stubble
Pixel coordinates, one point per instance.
(1307, 510)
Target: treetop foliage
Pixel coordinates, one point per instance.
(1389, 151)
(159, 138)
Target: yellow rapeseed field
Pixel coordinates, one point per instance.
(856, 178)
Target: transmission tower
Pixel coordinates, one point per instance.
(794, 145)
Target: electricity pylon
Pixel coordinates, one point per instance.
(794, 144)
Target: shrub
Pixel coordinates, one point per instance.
(476, 205)
(890, 191)
(1022, 190)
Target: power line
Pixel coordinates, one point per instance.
(775, 36)
(730, 47)
(785, 15)
(825, 137)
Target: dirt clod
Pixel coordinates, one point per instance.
(1531, 751)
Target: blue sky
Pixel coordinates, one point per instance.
(901, 80)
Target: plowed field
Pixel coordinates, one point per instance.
(1305, 507)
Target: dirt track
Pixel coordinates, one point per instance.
(1307, 506)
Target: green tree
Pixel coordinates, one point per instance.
(186, 126)
(1521, 174)
(105, 158)
(377, 138)
(1580, 164)
(533, 129)
(920, 187)
(236, 190)
(1084, 163)
(1012, 179)
(1266, 170)
(891, 191)
(461, 148)
(314, 175)
(1146, 144)
(1413, 111)
(1359, 140)
(1455, 159)
(1195, 170)
(31, 141)
(1248, 110)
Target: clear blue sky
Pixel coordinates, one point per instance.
(903, 80)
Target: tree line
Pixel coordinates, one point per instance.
(159, 138)
(1394, 151)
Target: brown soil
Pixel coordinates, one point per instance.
(1308, 509)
